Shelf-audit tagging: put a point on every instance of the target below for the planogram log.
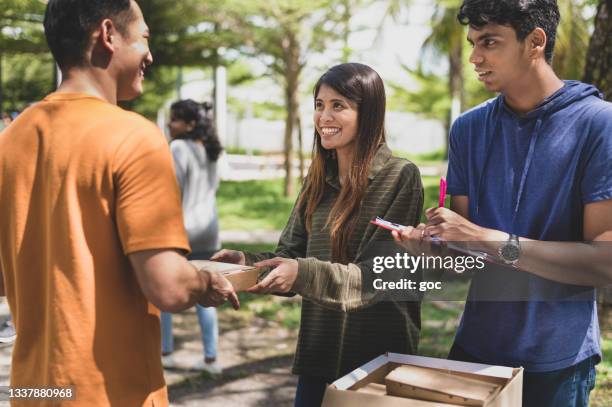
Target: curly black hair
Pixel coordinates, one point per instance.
(204, 130)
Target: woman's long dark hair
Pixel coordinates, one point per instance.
(204, 129)
(363, 86)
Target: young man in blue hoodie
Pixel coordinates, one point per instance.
(530, 174)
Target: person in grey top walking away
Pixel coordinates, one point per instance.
(195, 149)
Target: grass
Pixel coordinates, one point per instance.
(253, 205)
(425, 159)
(242, 151)
(260, 205)
(438, 328)
(602, 395)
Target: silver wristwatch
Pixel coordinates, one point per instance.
(510, 251)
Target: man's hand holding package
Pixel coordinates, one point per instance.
(219, 290)
(280, 279)
(172, 284)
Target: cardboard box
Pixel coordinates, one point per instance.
(346, 390)
(241, 277)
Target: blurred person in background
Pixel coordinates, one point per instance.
(6, 120)
(195, 149)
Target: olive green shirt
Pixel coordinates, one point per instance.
(342, 327)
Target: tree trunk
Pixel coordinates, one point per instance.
(455, 84)
(346, 21)
(289, 122)
(598, 67)
(291, 49)
(298, 123)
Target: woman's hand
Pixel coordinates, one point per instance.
(229, 256)
(279, 280)
(413, 239)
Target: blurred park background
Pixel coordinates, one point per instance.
(257, 62)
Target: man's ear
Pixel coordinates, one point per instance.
(537, 43)
(107, 35)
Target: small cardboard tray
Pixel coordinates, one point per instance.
(425, 383)
(356, 388)
(241, 277)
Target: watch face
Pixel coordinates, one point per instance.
(510, 252)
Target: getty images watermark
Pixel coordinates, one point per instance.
(411, 264)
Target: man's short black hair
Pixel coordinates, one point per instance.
(523, 16)
(69, 23)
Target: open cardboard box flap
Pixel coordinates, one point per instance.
(342, 391)
(241, 277)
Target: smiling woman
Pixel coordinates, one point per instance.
(322, 253)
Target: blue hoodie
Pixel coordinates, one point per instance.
(532, 175)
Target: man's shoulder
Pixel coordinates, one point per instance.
(601, 110)
(131, 130)
(477, 114)
(133, 122)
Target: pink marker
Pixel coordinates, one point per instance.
(442, 192)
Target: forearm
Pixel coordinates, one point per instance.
(193, 284)
(332, 285)
(168, 280)
(587, 264)
(578, 263)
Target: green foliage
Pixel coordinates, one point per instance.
(26, 79)
(239, 73)
(21, 30)
(572, 40)
(268, 110)
(446, 32)
(430, 98)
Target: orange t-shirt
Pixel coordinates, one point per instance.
(83, 183)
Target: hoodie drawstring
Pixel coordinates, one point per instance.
(529, 159)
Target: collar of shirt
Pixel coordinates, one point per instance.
(378, 162)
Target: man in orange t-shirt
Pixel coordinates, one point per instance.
(91, 232)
